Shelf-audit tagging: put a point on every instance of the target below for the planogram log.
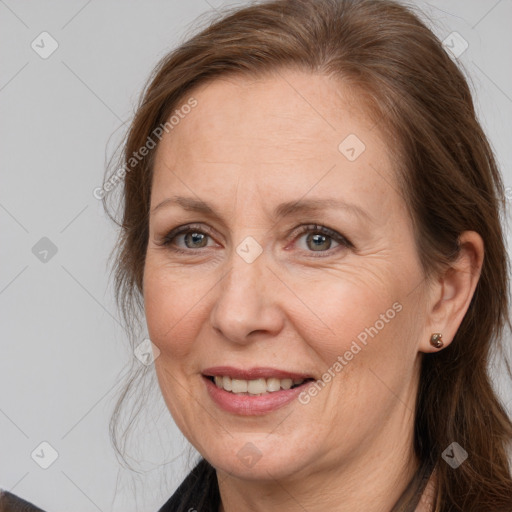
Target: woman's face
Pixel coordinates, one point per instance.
(256, 162)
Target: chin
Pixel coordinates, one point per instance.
(252, 459)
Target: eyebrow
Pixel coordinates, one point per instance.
(287, 209)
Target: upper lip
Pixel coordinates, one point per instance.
(253, 373)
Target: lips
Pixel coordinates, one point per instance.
(254, 373)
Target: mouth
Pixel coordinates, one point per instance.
(256, 387)
(253, 391)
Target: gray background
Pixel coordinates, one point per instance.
(63, 349)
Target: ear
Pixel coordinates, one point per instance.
(451, 294)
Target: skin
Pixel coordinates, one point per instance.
(249, 145)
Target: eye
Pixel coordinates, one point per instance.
(193, 237)
(320, 238)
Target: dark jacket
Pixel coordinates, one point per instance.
(198, 492)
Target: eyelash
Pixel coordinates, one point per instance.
(308, 228)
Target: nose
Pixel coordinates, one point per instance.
(247, 305)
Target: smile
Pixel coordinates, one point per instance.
(256, 387)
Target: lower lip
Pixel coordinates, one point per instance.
(248, 405)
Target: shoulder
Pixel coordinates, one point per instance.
(11, 503)
(198, 491)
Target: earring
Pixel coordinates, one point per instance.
(436, 341)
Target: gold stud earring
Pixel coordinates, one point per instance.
(436, 341)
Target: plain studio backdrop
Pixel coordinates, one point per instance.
(70, 76)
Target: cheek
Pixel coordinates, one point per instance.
(345, 311)
(361, 334)
(173, 304)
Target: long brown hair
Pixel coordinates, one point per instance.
(419, 98)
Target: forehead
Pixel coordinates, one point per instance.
(285, 135)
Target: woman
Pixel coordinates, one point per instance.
(311, 218)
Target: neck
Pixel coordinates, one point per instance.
(427, 500)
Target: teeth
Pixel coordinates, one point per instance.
(256, 386)
(226, 383)
(238, 386)
(273, 384)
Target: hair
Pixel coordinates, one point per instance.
(419, 98)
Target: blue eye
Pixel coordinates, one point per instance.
(194, 237)
(320, 238)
